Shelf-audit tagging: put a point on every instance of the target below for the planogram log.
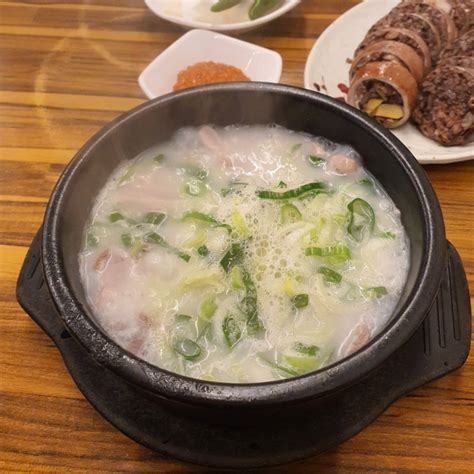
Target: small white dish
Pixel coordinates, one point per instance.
(257, 63)
(183, 12)
(327, 66)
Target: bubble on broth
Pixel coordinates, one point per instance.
(214, 282)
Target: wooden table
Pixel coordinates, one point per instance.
(67, 68)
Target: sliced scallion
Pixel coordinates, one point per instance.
(309, 189)
(155, 218)
(330, 276)
(307, 349)
(300, 301)
(232, 331)
(289, 213)
(377, 291)
(115, 217)
(203, 251)
(154, 238)
(187, 348)
(338, 253)
(233, 256)
(315, 160)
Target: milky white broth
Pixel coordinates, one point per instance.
(195, 261)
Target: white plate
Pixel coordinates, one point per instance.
(183, 12)
(327, 65)
(258, 64)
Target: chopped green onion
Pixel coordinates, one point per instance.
(295, 147)
(159, 158)
(127, 240)
(116, 216)
(222, 5)
(195, 187)
(203, 251)
(183, 318)
(132, 243)
(307, 189)
(202, 278)
(366, 182)
(310, 350)
(275, 365)
(206, 218)
(155, 218)
(289, 214)
(132, 169)
(315, 160)
(208, 307)
(155, 238)
(338, 253)
(239, 224)
(233, 256)
(199, 216)
(232, 331)
(387, 235)
(187, 348)
(197, 240)
(329, 275)
(231, 188)
(377, 291)
(300, 301)
(92, 240)
(248, 306)
(300, 364)
(236, 278)
(197, 172)
(249, 284)
(362, 219)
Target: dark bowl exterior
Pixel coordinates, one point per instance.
(247, 103)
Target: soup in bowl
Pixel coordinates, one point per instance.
(244, 254)
(242, 246)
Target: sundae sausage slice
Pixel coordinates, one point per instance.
(385, 90)
(390, 51)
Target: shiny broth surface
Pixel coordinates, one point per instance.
(244, 254)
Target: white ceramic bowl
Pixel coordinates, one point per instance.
(259, 64)
(161, 9)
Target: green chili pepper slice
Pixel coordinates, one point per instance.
(260, 8)
(222, 5)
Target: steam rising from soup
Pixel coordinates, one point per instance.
(244, 254)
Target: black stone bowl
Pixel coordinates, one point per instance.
(250, 103)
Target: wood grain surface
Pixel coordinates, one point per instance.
(67, 67)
